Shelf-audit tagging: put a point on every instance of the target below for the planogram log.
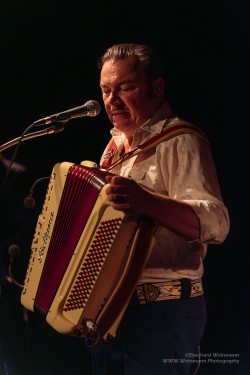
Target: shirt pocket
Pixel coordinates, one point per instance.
(138, 174)
(144, 170)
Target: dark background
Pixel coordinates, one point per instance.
(49, 51)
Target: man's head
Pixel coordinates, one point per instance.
(132, 83)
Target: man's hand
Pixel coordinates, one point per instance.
(126, 195)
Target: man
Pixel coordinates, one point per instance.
(174, 184)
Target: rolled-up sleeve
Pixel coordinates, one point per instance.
(214, 220)
(189, 175)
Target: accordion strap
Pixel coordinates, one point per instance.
(173, 129)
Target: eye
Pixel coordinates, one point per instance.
(126, 88)
(106, 91)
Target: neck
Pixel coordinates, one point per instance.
(128, 143)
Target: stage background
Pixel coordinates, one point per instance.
(49, 51)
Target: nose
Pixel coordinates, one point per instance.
(113, 98)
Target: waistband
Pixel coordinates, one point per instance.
(167, 290)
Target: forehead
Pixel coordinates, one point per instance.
(116, 71)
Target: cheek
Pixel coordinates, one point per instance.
(105, 101)
(134, 104)
(138, 109)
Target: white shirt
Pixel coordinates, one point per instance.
(181, 168)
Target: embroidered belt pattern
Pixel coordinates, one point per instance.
(152, 292)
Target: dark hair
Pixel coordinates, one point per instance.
(147, 59)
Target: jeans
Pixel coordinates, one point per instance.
(154, 339)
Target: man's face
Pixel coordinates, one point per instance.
(127, 95)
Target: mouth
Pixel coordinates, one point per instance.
(119, 114)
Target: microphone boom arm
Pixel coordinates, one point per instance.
(26, 137)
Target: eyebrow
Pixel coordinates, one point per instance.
(119, 83)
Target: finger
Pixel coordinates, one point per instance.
(116, 198)
(117, 189)
(121, 206)
(118, 180)
(109, 177)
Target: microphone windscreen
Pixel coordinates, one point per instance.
(94, 107)
(29, 202)
(14, 250)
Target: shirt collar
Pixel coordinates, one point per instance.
(153, 125)
(159, 118)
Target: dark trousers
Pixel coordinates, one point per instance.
(154, 339)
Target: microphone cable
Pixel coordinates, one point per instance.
(14, 155)
(13, 251)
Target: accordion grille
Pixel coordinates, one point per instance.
(92, 265)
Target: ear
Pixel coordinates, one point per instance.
(159, 87)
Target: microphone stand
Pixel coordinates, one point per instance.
(56, 128)
(26, 137)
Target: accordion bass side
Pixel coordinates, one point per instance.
(86, 258)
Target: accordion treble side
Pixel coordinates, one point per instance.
(86, 258)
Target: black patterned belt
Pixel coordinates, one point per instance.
(172, 289)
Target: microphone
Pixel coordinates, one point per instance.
(14, 251)
(29, 201)
(91, 108)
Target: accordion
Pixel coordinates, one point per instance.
(86, 258)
